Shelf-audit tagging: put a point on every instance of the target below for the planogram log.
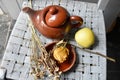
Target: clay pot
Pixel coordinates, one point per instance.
(53, 21)
(69, 63)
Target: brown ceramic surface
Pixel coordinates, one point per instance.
(69, 63)
(53, 21)
(56, 16)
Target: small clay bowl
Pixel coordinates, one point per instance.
(69, 63)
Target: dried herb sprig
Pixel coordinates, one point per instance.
(41, 58)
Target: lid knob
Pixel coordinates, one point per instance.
(53, 10)
(56, 16)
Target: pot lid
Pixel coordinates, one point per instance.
(56, 16)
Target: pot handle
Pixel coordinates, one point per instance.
(76, 21)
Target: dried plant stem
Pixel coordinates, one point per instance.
(44, 58)
(100, 54)
(97, 53)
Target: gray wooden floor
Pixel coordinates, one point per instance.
(4, 27)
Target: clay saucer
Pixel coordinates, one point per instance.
(69, 63)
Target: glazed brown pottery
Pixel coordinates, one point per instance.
(69, 63)
(53, 21)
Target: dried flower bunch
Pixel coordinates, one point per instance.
(42, 64)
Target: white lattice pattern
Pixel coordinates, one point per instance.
(88, 66)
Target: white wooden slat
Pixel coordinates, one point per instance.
(63, 3)
(21, 26)
(95, 29)
(24, 75)
(101, 23)
(88, 22)
(37, 2)
(9, 56)
(48, 2)
(23, 50)
(2, 73)
(86, 76)
(101, 47)
(87, 71)
(15, 40)
(77, 76)
(8, 65)
(100, 76)
(25, 71)
(70, 5)
(103, 68)
(15, 57)
(86, 58)
(27, 60)
(77, 8)
(94, 77)
(14, 75)
(80, 68)
(95, 69)
(26, 43)
(22, 78)
(56, 2)
(35, 7)
(43, 3)
(29, 52)
(13, 48)
(76, 12)
(77, 5)
(94, 60)
(81, 77)
(18, 67)
(83, 9)
(21, 19)
(71, 75)
(94, 24)
(27, 34)
(79, 55)
(18, 33)
(20, 58)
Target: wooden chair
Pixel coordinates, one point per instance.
(16, 61)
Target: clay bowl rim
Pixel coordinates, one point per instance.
(72, 51)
